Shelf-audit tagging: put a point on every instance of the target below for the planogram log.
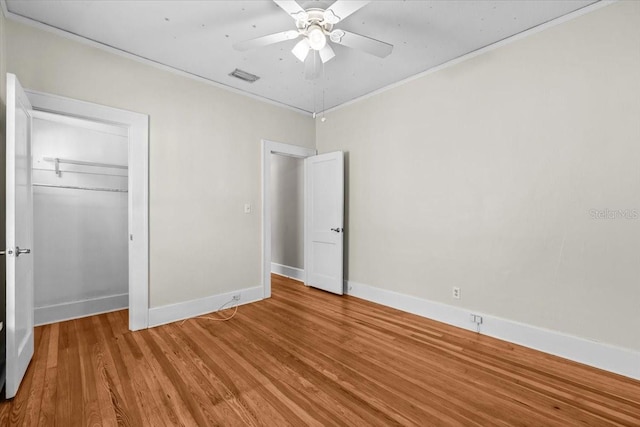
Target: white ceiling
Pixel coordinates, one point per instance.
(197, 37)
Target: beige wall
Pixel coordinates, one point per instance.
(204, 157)
(287, 211)
(482, 175)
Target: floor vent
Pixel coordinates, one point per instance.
(243, 75)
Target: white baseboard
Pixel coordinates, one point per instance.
(600, 355)
(197, 307)
(285, 270)
(76, 309)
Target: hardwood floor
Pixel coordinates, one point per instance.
(305, 357)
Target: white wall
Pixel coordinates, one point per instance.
(287, 210)
(483, 175)
(204, 157)
(80, 236)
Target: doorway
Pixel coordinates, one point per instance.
(287, 216)
(271, 149)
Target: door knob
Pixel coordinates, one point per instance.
(22, 251)
(337, 230)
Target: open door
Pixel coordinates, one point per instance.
(19, 235)
(324, 221)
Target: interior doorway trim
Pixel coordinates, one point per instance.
(269, 148)
(138, 141)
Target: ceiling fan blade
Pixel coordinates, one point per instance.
(312, 65)
(343, 8)
(301, 49)
(326, 53)
(291, 7)
(364, 43)
(266, 40)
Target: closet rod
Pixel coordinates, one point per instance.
(57, 162)
(84, 163)
(73, 187)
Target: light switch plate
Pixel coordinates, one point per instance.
(247, 208)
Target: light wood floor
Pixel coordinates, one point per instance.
(305, 357)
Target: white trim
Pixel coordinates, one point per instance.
(138, 133)
(122, 53)
(76, 309)
(197, 307)
(287, 271)
(268, 148)
(526, 33)
(600, 355)
(107, 128)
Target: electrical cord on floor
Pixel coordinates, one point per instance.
(216, 319)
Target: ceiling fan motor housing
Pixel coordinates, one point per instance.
(314, 17)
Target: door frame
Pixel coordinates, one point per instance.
(138, 187)
(269, 148)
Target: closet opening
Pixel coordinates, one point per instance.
(80, 217)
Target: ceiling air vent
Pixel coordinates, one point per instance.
(243, 75)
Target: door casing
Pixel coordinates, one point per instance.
(138, 203)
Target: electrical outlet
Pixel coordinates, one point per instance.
(456, 292)
(475, 318)
(236, 297)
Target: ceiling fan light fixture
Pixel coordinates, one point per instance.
(301, 49)
(301, 16)
(330, 17)
(326, 54)
(317, 39)
(336, 36)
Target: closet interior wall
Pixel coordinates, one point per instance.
(80, 181)
(287, 216)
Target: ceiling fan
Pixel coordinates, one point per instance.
(316, 27)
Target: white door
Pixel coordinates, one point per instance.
(19, 234)
(324, 221)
